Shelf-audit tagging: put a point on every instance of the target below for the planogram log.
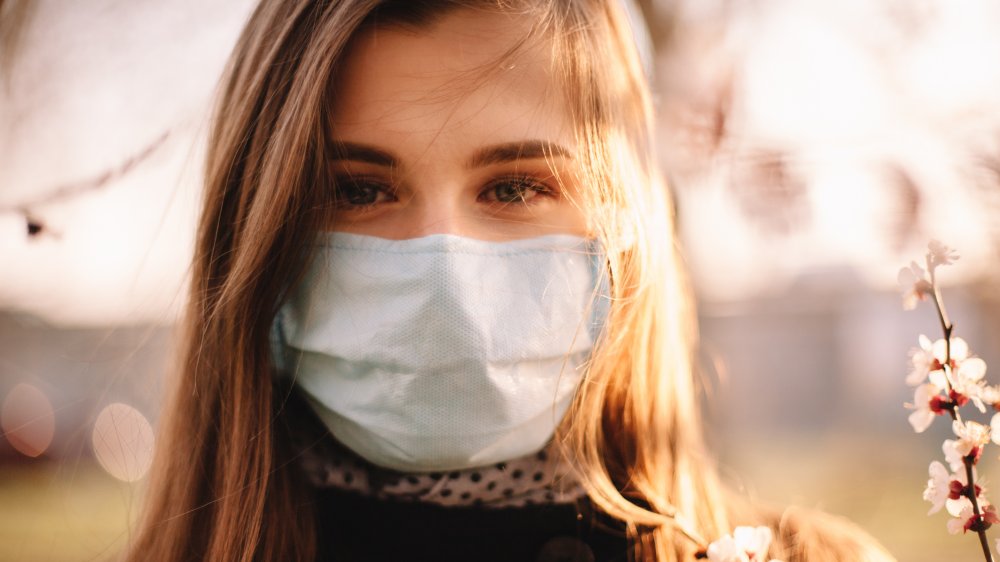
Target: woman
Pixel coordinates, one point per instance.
(395, 270)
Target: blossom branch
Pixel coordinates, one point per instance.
(25, 208)
(946, 367)
(969, 460)
(981, 526)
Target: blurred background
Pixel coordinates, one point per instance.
(814, 148)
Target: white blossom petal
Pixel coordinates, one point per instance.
(937, 489)
(939, 254)
(961, 510)
(995, 426)
(977, 401)
(990, 395)
(922, 416)
(972, 369)
(925, 343)
(957, 507)
(956, 526)
(920, 420)
(940, 350)
(915, 285)
(725, 550)
(746, 544)
(951, 455)
(970, 435)
(921, 361)
(939, 380)
(959, 349)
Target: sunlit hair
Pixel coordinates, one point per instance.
(224, 484)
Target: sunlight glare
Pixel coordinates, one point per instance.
(123, 442)
(28, 420)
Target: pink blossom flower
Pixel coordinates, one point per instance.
(995, 427)
(940, 254)
(951, 455)
(969, 380)
(938, 487)
(965, 518)
(990, 395)
(966, 382)
(915, 285)
(972, 437)
(943, 486)
(746, 544)
(987, 518)
(961, 512)
(922, 362)
(930, 358)
(927, 403)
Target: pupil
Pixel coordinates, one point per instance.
(359, 193)
(510, 191)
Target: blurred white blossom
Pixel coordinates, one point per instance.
(965, 518)
(915, 285)
(938, 486)
(995, 426)
(969, 380)
(923, 361)
(940, 254)
(929, 359)
(966, 383)
(961, 512)
(951, 454)
(746, 544)
(943, 486)
(972, 436)
(926, 405)
(990, 395)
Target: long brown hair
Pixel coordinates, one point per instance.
(224, 487)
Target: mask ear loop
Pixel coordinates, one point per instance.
(277, 339)
(600, 302)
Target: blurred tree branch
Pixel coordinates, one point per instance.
(14, 15)
(35, 226)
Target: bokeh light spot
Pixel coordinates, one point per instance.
(28, 420)
(123, 442)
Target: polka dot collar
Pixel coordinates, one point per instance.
(541, 478)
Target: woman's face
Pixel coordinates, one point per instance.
(443, 135)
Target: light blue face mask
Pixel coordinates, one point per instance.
(443, 352)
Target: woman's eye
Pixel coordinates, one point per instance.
(361, 192)
(515, 190)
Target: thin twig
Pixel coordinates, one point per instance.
(92, 184)
(947, 327)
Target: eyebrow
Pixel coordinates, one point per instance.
(363, 153)
(513, 151)
(494, 154)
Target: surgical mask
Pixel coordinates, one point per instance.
(442, 352)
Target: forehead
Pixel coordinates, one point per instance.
(471, 76)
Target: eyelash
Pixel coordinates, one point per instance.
(362, 185)
(385, 193)
(525, 183)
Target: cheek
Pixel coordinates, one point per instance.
(576, 208)
(574, 220)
